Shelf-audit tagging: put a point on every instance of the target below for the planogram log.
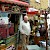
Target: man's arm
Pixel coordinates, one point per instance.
(21, 28)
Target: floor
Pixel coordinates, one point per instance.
(41, 48)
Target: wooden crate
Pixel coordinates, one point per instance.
(3, 47)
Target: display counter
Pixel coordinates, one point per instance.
(11, 41)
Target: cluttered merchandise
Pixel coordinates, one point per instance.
(6, 32)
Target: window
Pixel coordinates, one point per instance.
(38, 1)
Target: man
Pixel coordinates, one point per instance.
(25, 31)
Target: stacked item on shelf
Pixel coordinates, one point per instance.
(11, 29)
(3, 32)
(3, 47)
(12, 47)
(33, 47)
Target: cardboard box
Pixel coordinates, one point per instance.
(3, 47)
(33, 47)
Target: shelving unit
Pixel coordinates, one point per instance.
(8, 36)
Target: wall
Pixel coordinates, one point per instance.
(43, 4)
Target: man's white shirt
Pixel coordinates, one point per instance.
(25, 28)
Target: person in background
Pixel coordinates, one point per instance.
(31, 24)
(35, 19)
(25, 31)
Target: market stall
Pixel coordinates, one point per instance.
(10, 13)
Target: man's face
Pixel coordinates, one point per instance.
(25, 18)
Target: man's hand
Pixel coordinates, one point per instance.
(23, 33)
